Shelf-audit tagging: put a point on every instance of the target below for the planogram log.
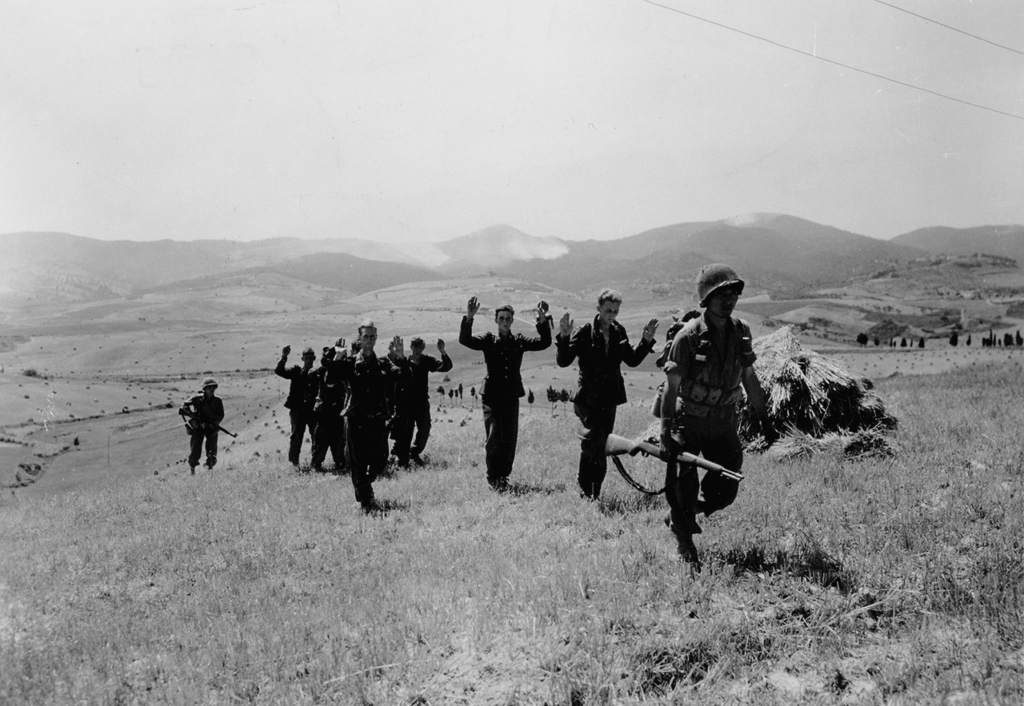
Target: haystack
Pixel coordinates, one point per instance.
(814, 396)
(866, 443)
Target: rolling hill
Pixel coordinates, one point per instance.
(1005, 240)
(777, 254)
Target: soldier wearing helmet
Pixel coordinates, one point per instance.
(709, 368)
(203, 415)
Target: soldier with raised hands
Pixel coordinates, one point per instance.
(368, 412)
(600, 346)
(710, 366)
(412, 403)
(330, 405)
(503, 385)
(304, 384)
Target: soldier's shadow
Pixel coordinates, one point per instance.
(630, 504)
(386, 507)
(332, 471)
(519, 488)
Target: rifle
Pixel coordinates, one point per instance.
(619, 445)
(193, 417)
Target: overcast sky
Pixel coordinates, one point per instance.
(411, 120)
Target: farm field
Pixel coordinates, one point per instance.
(113, 381)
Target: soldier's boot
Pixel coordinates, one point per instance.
(192, 469)
(691, 525)
(688, 551)
(499, 484)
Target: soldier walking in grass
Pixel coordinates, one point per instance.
(503, 384)
(203, 415)
(412, 402)
(368, 377)
(332, 394)
(709, 367)
(601, 346)
(302, 392)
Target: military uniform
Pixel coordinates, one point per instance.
(501, 390)
(205, 415)
(332, 394)
(302, 392)
(706, 419)
(367, 415)
(412, 407)
(600, 390)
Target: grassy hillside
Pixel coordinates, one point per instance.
(829, 581)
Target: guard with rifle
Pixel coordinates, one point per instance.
(203, 415)
(709, 368)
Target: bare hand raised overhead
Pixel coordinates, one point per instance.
(397, 347)
(472, 307)
(650, 329)
(565, 325)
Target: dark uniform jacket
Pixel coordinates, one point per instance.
(600, 380)
(503, 357)
(303, 388)
(208, 412)
(711, 378)
(332, 390)
(417, 390)
(368, 379)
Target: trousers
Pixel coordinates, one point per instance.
(196, 447)
(367, 451)
(501, 424)
(718, 441)
(329, 435)
(598, 422)
(300, 419)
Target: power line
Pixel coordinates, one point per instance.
(832, 61)
(928, 19)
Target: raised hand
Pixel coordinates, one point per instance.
(565, 325)
(650, 329)
(285, 351)
(397, 347)
(472, 307)
(440, 346)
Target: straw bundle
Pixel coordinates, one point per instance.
(812, 394)
(866, 443)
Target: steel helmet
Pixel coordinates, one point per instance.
(715, 276)
(209, 382)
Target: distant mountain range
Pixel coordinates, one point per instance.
(774, 253)
(1006, 241)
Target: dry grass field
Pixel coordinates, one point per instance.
(124, 580)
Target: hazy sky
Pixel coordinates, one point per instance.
(405, 120)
